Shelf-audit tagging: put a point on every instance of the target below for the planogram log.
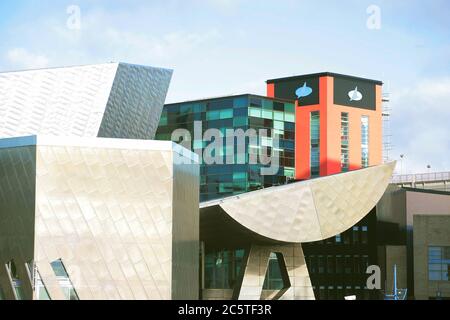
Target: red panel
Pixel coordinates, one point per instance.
(323, 95)
(271, 90)
(302, 137)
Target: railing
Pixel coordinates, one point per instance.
(421, 177)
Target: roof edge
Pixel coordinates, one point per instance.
(324, 74)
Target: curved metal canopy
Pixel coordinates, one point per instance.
(306, 211)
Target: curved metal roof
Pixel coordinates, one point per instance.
(303, 211)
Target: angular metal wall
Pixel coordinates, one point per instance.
(108, 100)
(109, 209)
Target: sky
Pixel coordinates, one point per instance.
(221, 47)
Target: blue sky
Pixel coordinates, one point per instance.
(219, 47)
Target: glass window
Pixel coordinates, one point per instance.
(289, 108)
(315, 143)
(257, 102)
(64, 280)
(290, 117)
(289, 172)
(338, 238)
(278, 125)
(40, 289)
(240, 122)
(364, 141)
(364, 263)
(364, 235)
(213, 115)
(355, 234)
(344, 141)
(339, 264)
(239, 175)
(222, 268)
(267, 114)
(226, 113)
(438, 263)
(348, 264)
(273, 279)
(321, 264)
(331, 264)
(241, 102)
(278, 115)
(254, 112)
(312, 266)
(267, 104)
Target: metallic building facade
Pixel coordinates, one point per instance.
(87, 214)
(113, 100)
(122, 217)
(278, 220)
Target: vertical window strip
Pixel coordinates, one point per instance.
(315, 143)
(364, 141)
(16, 281)
(38, 285)
(344, 142)
(63, 279)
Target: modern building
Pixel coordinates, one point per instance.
(327, 123)
(253, 243)
(431, 256)
(338, 264)
(94, 209)
(111, 100)
(338, 121)
(414, 233)
(85, 217)
(276, 117)
(97, 218)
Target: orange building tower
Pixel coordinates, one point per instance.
(338, 122)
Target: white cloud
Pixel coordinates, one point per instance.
(102, 36)
(420, 125)
(22, 59)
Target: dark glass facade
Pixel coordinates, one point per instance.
(244, 112)
(338, 265)
(315, 143)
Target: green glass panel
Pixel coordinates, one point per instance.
(199, 107)
(198, 144)
(278, 115)
(240, 121)
(267, 104)
(213, 115)
(289, 117)
(278, 125)
(254, 112)
(266, 141)
(239, 175)
(289, 172)
(278, 132)
(267, 114)
(289, 108)
(226, 113)
(186, 108)
(240, 102)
